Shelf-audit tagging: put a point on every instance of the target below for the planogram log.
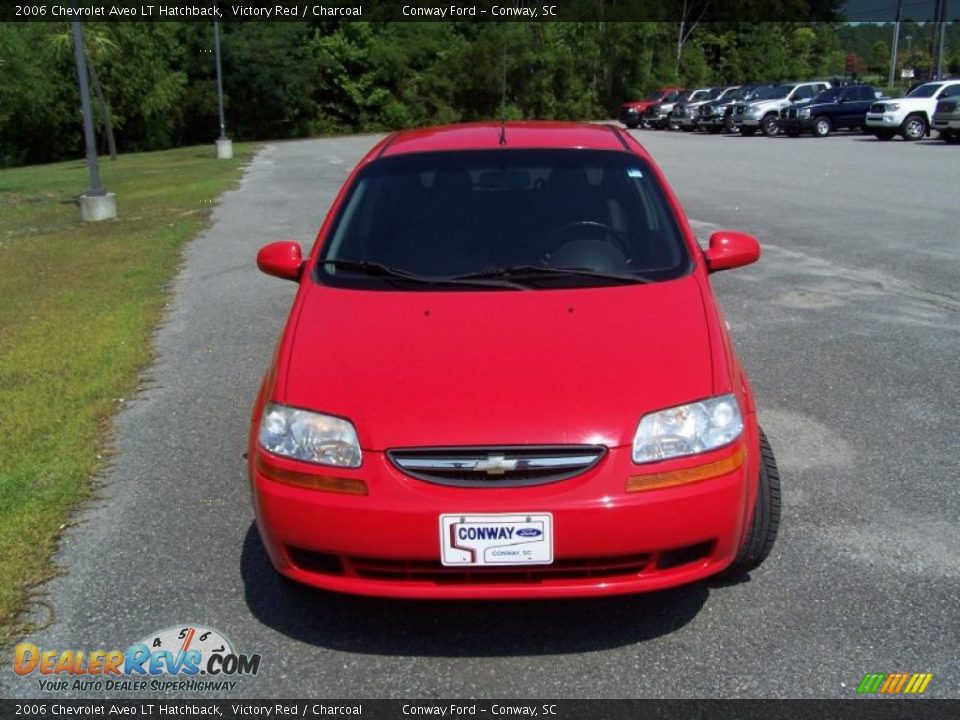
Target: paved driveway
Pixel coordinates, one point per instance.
(849, 327)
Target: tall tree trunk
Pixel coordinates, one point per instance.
(104, 110)
(676, 65)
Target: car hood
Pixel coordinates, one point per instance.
(499, 367)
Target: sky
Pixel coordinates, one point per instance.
(886, 10)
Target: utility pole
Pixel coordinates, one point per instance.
(943, 32)
(896, 42)
(224, 144)
(95, 204)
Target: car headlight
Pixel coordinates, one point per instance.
(687, 429)
(804, 112)
(309, 436)
(892, 106)
(753, 112)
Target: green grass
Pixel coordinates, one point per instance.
(78, 305)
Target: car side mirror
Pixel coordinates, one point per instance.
(282, 259)
(729, 249)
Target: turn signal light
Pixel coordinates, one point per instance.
(325, 483)
(672, 478)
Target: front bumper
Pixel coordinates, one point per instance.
(630, 117)
(746, 121)
(606, 541)
(886, 120)
(798, 124)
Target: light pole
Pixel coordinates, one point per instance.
(95, 204)
(943, 32)
(896, 41)
(224, 144)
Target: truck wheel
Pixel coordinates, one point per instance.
(765, 523)
(914, 127)
(769, 125)
(822, 126)
(632, 124)
(747, 131)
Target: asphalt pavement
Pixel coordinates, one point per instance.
(849, 327)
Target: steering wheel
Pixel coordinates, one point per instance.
(578, 230)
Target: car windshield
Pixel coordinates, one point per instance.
(828, 95)
(536, 218)
(713, 93)
(925, 91)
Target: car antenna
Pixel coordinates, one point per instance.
(503, 100)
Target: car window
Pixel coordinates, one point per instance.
(828, 95)
(803, 92)
(951, 91)
(446, 214)
(925, 91)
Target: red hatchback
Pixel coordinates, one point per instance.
(505, 375)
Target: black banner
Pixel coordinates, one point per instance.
(860, 709)
(443, 10)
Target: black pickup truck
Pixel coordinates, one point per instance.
(838, 107)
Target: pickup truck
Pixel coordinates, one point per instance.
(763, 113)
(631, 113)
(839, 107)
(910, 116)
(946, 120)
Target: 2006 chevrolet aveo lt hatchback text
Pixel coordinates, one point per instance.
(505, 375)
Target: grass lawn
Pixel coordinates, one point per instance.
(78, 304)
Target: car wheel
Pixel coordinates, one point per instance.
(884, 134)
(950, 136)
(765, 523)
(748, 131)
(632, 125)
(792, 132)
(770, 126)
(822, 126)
(913, 128)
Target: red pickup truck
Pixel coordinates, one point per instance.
(631, 113)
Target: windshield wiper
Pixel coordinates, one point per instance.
(526, 272)
(391, 273)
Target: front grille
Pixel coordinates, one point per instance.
(496, 466)
(740, 109)
(706, 111)
(877, 108)
(391, 569)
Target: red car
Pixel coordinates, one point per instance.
(505, 375)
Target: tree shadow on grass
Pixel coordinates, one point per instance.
(458, 628)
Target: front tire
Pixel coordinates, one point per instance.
(748, 131)
(884, 134)
(765, 523)
(914, 128)
(770, 126)
(822, 126)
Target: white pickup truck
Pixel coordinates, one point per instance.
(910, 116)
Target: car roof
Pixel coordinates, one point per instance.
(486, 136)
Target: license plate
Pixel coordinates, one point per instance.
(518, 539)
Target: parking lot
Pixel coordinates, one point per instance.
(849, 327)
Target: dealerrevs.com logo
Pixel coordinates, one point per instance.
(185, 658)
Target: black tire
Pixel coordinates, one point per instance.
(792, 132)
(765, 523)
(748, 131)
(884, 134)
(632, 125)
(822, 126)
(950, 136)
(769, 125)
(914, 127)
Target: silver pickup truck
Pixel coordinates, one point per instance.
(764, 110)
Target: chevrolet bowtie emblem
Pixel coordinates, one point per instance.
(495, 465)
